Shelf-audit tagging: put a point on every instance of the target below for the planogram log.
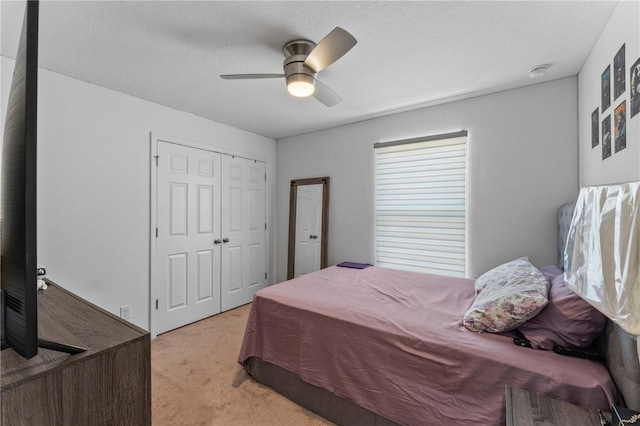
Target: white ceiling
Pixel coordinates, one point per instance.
(409, 54)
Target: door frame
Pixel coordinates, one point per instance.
(156, 137)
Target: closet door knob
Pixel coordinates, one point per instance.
(225, 240)
(216, 241)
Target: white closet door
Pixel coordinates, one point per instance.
(244, 251)
(188, 217)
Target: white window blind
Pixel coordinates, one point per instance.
(421, 204)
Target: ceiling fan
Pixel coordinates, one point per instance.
(304, 60)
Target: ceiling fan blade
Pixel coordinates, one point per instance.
(330, 49)
(325, 95)
(249, 76)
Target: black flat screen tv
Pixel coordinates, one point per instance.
(19, 242)
(19, 277)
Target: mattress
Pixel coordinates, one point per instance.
(393, 343)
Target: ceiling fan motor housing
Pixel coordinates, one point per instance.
(295, 53)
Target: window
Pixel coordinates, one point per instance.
(421, 204)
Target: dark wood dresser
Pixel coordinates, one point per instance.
(109, 384)
(526, 408)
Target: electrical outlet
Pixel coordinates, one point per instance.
(125, 311)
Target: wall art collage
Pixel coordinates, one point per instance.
(608, 123)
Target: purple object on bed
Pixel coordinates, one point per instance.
(354, 265)
(568, 320)
(393, 343)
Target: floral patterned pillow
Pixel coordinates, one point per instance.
(509, 295)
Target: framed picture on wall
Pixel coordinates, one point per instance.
(606, 137)
(605, 83)
(595, 134)
(619, 81)
(634, 72)
(620, 126)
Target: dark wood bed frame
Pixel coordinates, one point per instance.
(619, 347)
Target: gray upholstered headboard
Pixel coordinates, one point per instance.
(620, 347)
(565, 214)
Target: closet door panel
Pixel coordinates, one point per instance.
(243, 230)
(188, 220)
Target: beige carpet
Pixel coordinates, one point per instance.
(197, 381)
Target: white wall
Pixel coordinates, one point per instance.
(623, 28)
(94, 185)
(522, 164)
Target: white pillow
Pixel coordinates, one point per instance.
(509, 295)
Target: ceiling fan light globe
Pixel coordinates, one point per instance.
(301, 89)
(301, 85)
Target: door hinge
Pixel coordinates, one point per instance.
(156, 157)
(265, 176)
(156, 232)
(156, 303)
(265, 275)
(265, 226)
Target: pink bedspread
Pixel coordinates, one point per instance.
(393, 342)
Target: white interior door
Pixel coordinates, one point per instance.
(308, 229)
(188, 221)
(244, 268)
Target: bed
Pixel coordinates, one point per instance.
(377, 346)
